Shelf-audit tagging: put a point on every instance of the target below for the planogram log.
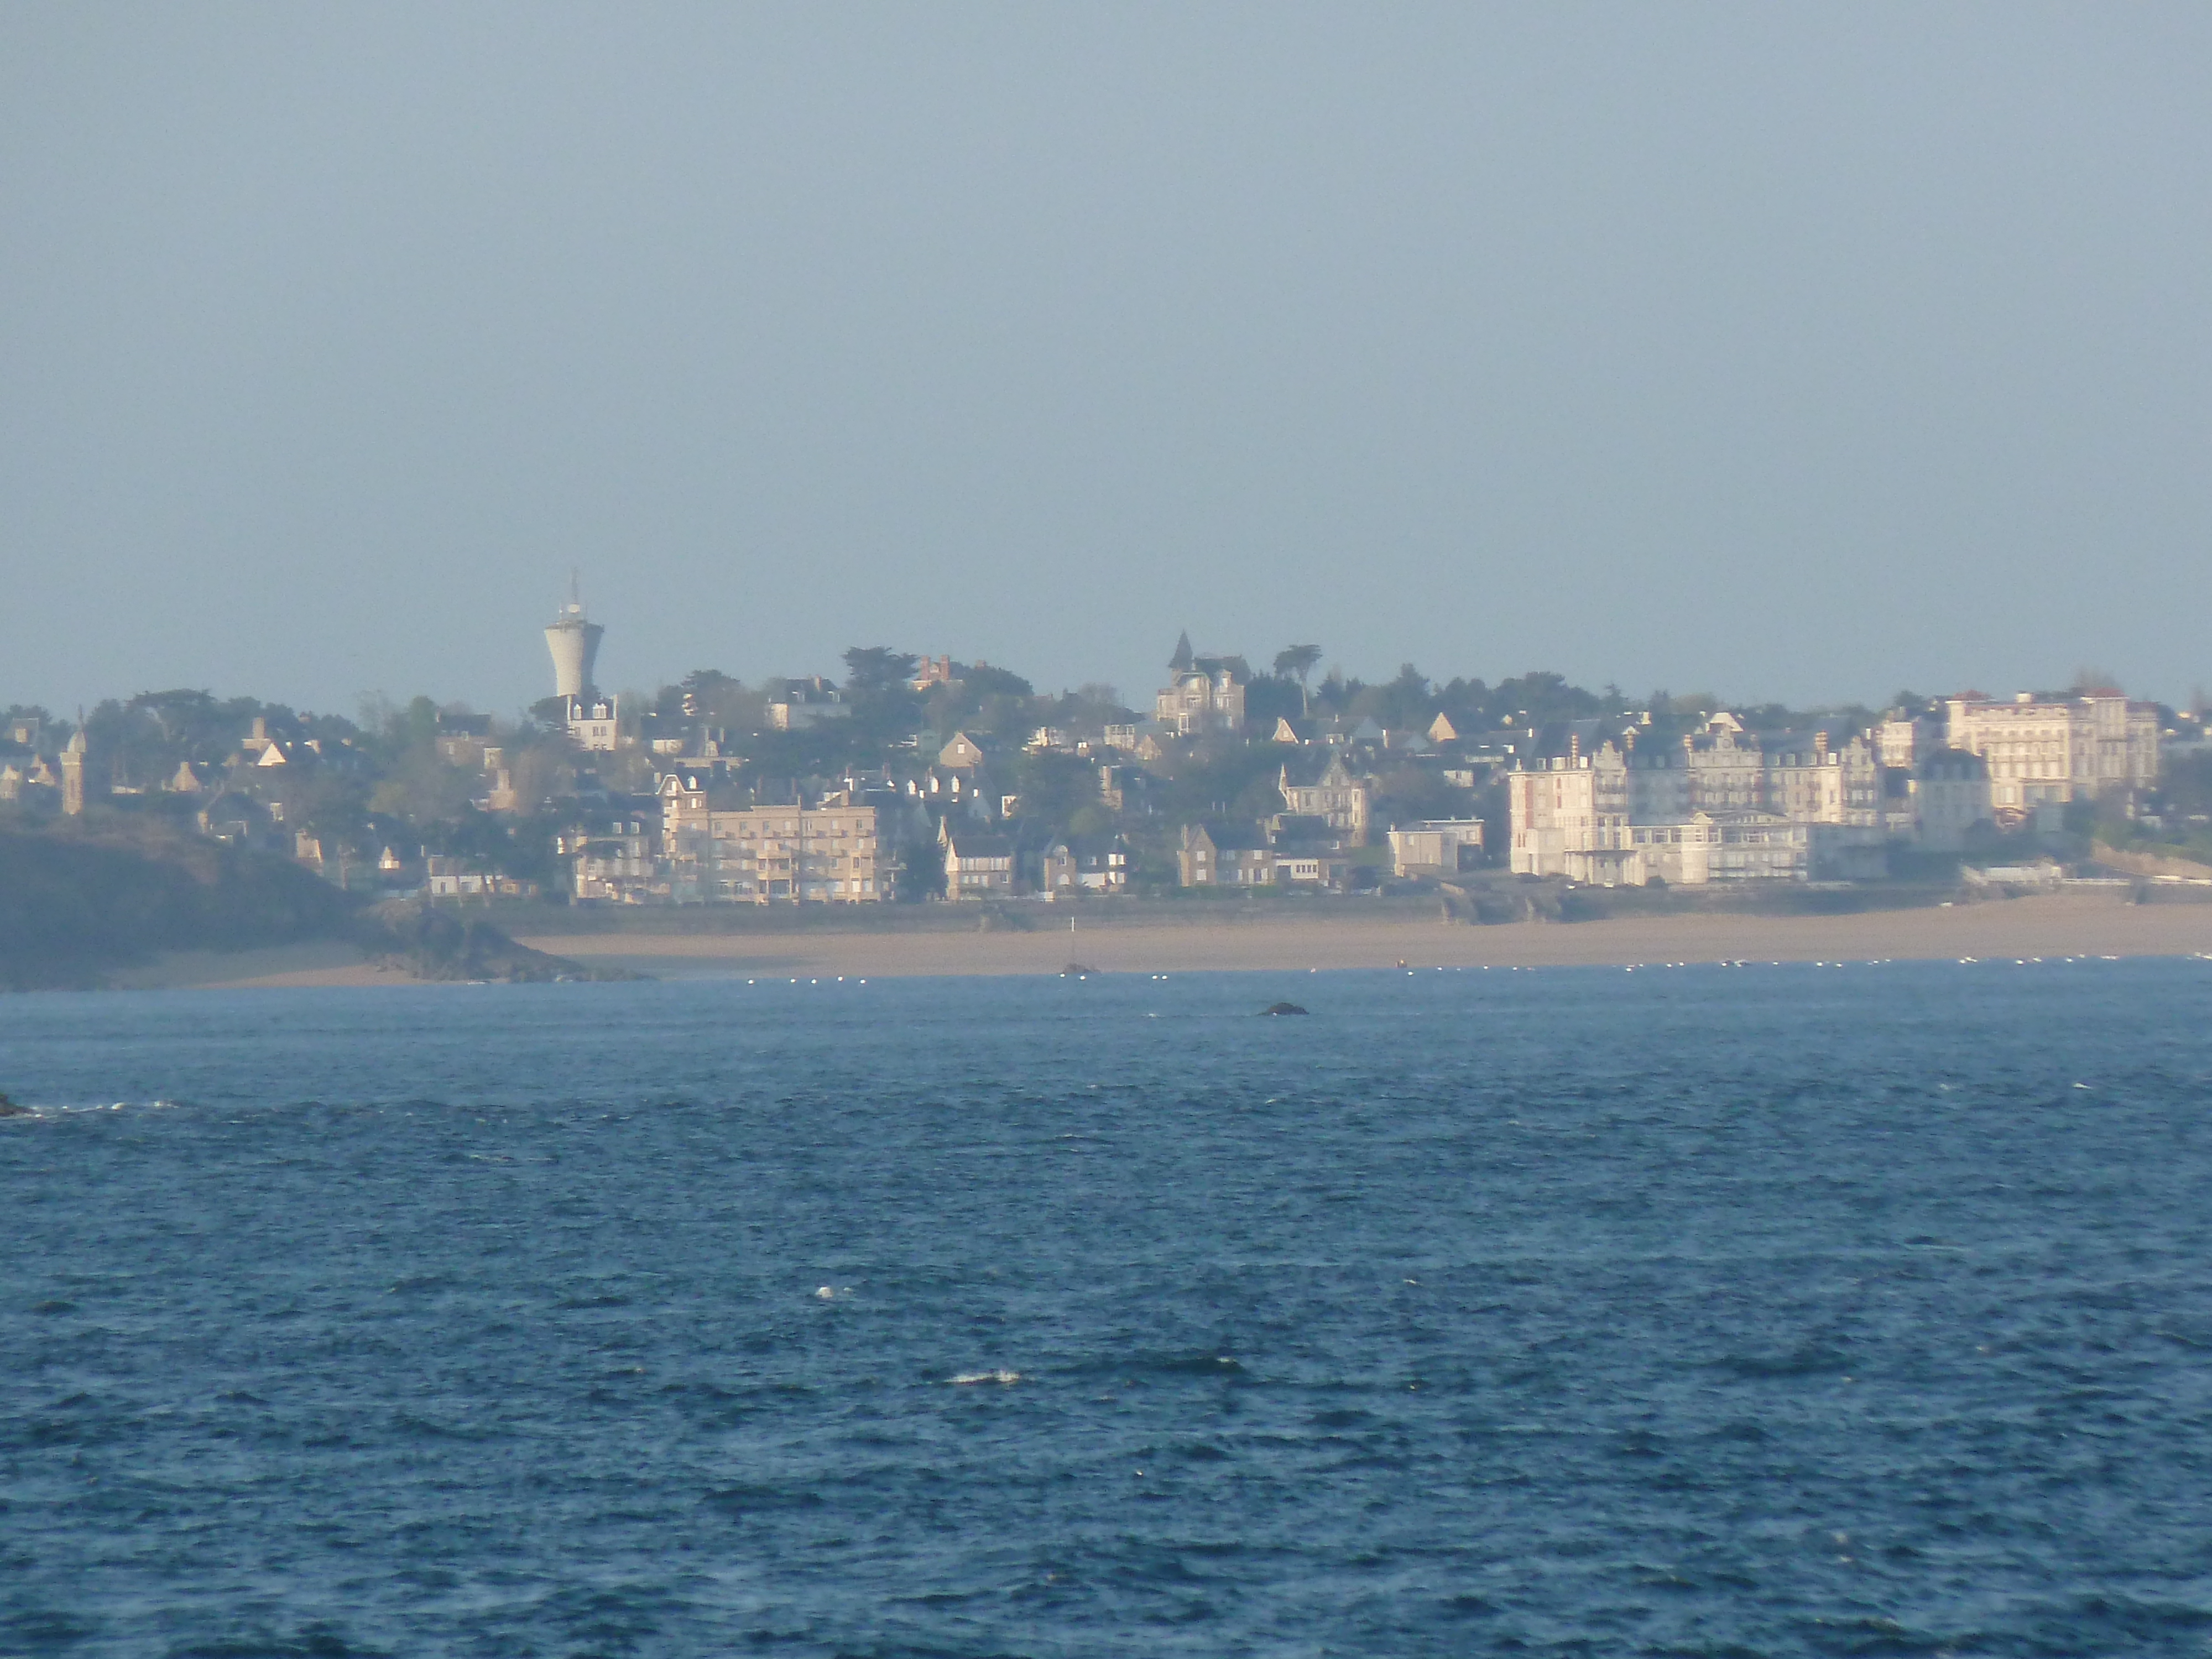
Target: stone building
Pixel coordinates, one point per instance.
(722, 849)
(1224, 855)
(1949, 794)
(593, 723)
(1203, 695)
(1084, 864)
(2046, 752)
(978, 863)
(1322, 786)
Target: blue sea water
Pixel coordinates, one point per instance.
(1849, 1311)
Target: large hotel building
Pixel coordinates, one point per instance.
(2045, 753)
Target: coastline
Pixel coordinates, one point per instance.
(274, 966)
(2075, 924)
(2055, 925)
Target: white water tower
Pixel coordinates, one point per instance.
(574, 642)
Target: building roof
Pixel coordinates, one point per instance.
(1308, 769)
(963, 842)
(1233, 837)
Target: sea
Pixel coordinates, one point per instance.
(1852, 1308)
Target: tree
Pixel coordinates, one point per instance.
(1054, 787)
(707, 694)
(877, 668)
(985, 681)
(1269, 698)
(986, 699)
(1545, 698)
(920, 874)
(878, 684)
(415, 725)
(422, 788)
(1296, 662)
(1221, 782)
(1410, 794)
(1466, 703)
(1404, 704)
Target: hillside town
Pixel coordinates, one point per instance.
(922, 778)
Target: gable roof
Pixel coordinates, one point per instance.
(1230, 837)
(1312, 770)
(962, 842)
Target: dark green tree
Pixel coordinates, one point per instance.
(877, 667)
(1054, 787)
(1297, 662)
(878, 684)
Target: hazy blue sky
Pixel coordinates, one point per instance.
(1780, 351)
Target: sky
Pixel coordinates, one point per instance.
(1776, 353)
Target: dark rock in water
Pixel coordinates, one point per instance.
(1282, 1008)
(10, 1109)
(1077, 970)
(430, 942)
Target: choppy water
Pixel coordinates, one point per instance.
(1764, 1311)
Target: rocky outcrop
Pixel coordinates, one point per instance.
(78, 902)
(432, 943)
(2152, 864)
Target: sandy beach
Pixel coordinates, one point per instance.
(274, 966)
(2074, 924)
(2058, 925)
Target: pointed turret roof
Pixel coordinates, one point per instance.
(1183, 656)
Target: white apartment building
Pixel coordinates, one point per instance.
(1723, 806)
(2048, 752)
(1572, 818)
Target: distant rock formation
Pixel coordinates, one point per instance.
(86, 898)
(433, 943)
